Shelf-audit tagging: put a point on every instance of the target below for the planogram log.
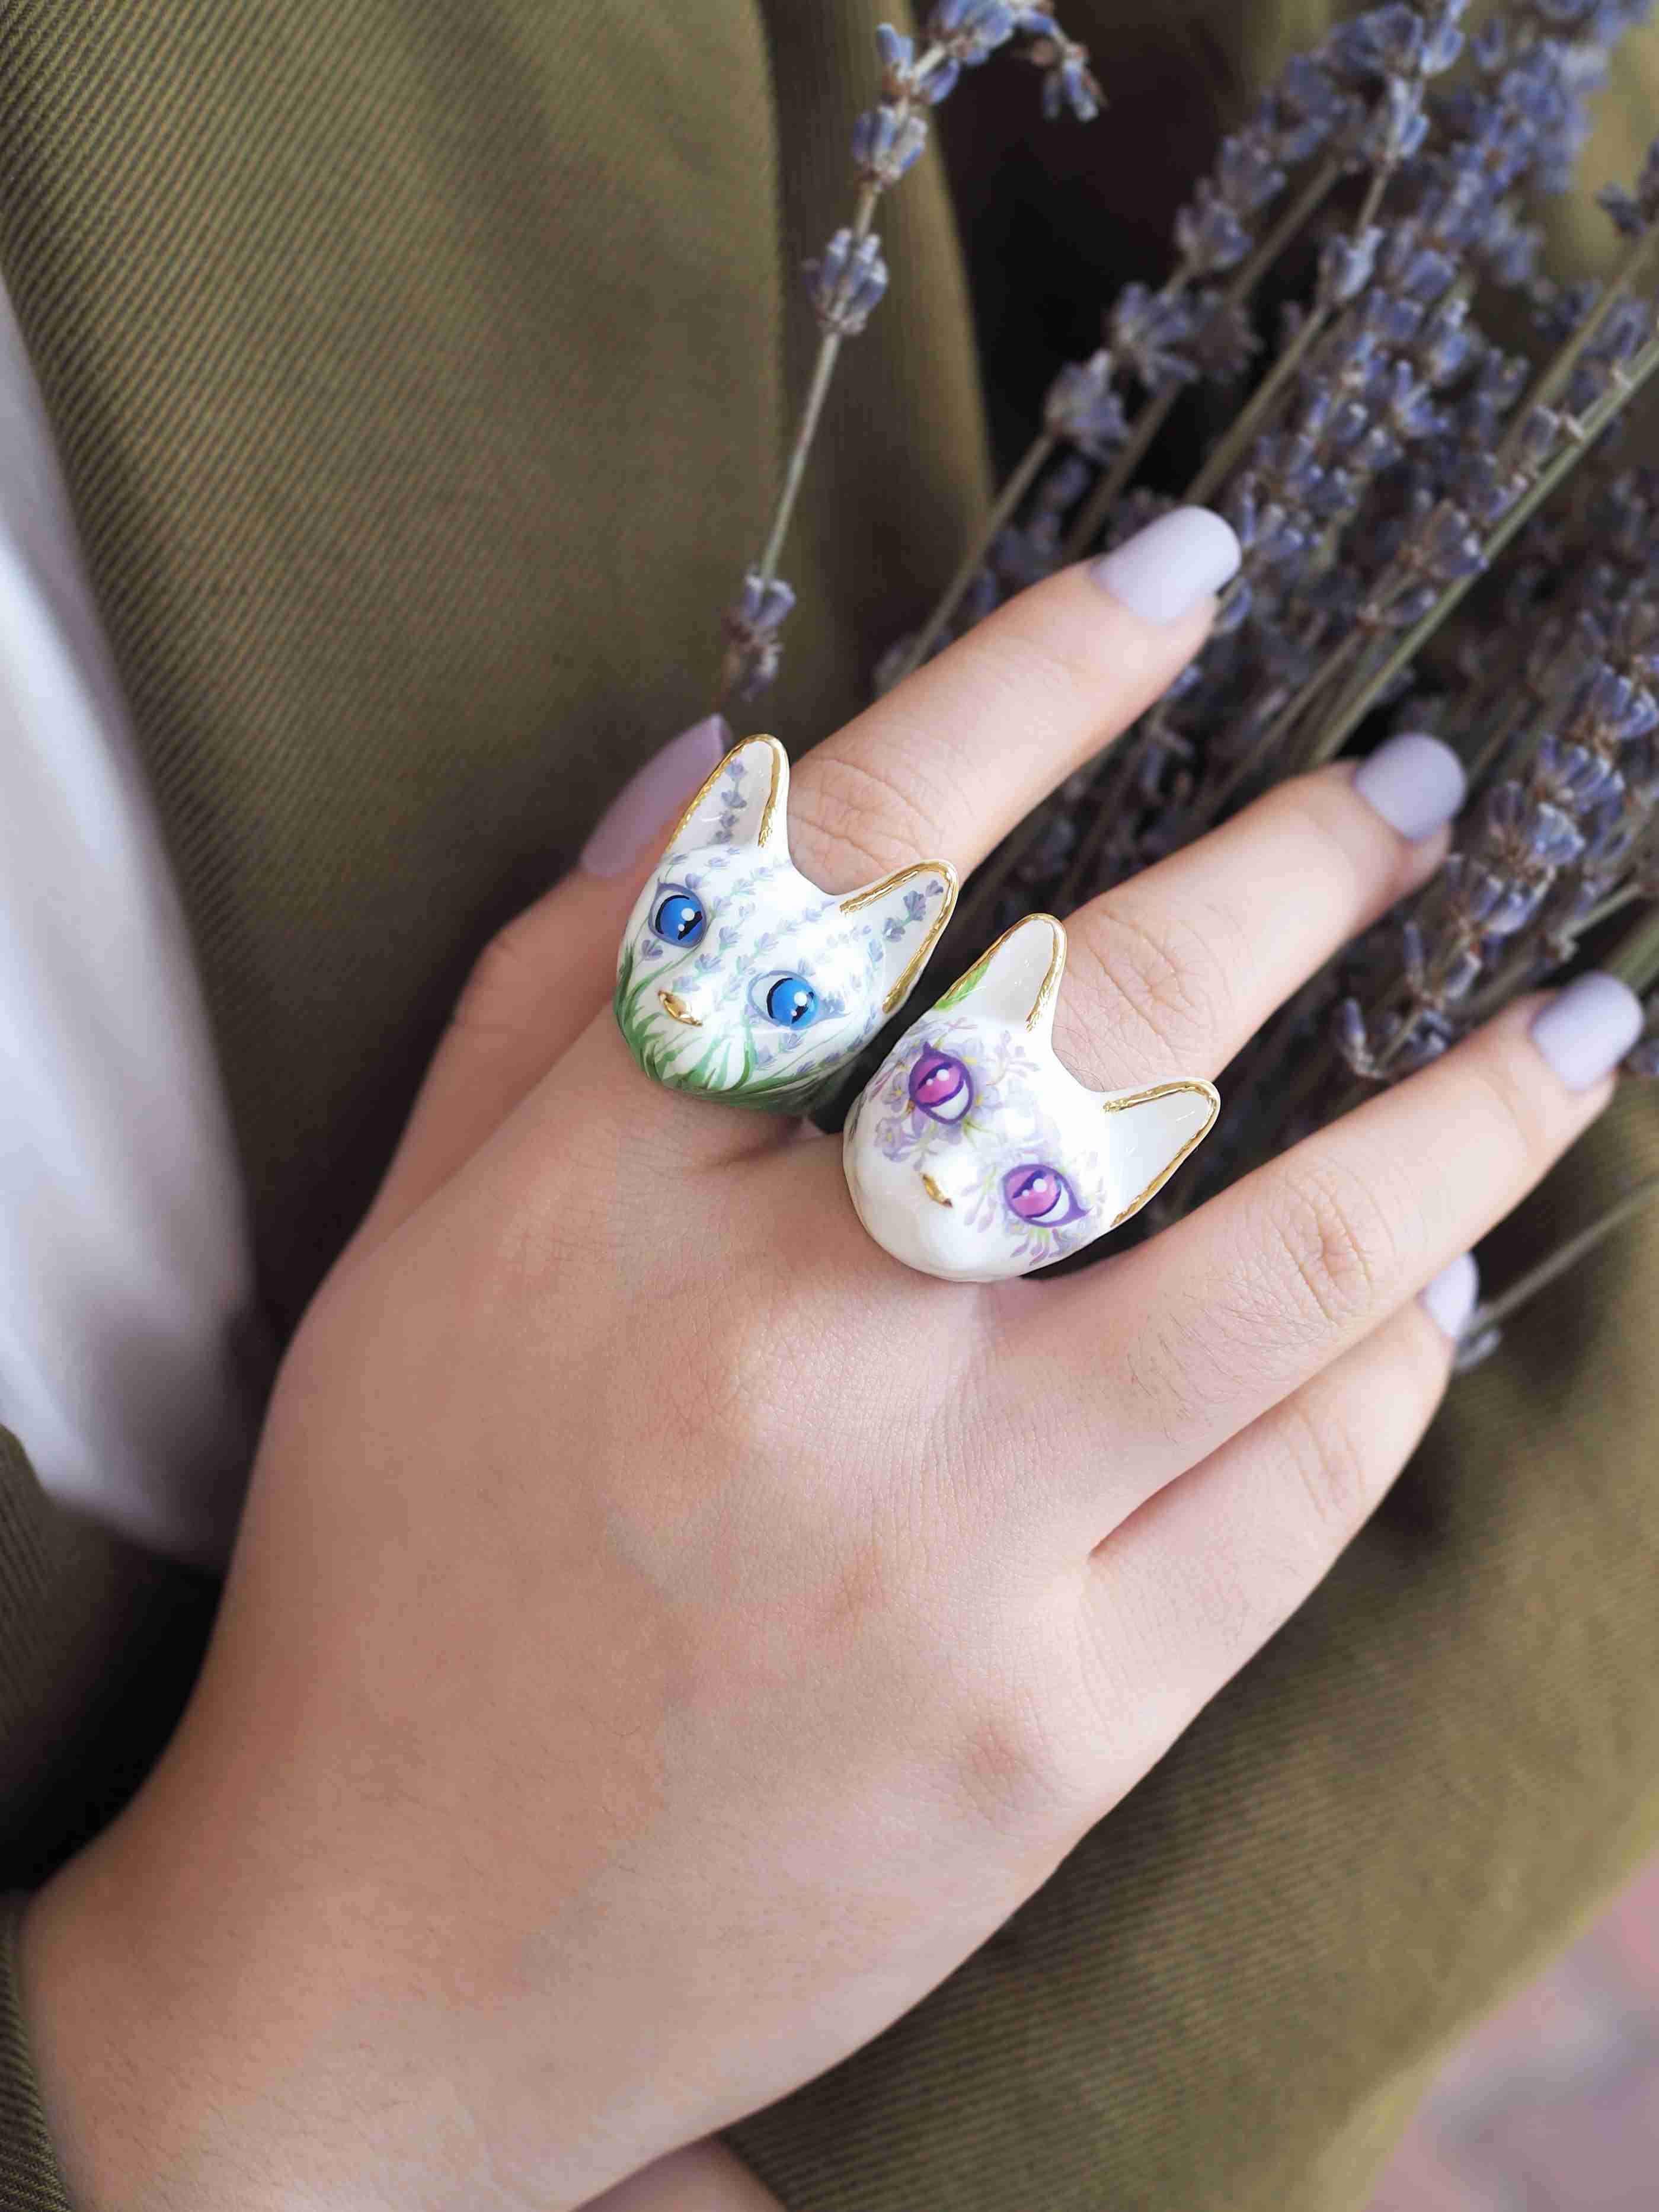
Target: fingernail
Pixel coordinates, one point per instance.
(1166, 569)
(1586, 1030)
(654, 792)
(1414, 782)
(1449, 1299)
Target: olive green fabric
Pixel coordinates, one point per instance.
(420, 373)
(29, 2177)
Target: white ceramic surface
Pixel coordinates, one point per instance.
(972, 1154)
(739, 980)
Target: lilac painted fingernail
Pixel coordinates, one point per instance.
(654, 792)
(1586, 1030)
(1449, 1299)
(1166, 569)
(1414, 782)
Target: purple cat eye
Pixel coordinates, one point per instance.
(1041, 1195)
(941, 1086)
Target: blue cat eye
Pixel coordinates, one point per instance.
(789, 1000)
(679, 916)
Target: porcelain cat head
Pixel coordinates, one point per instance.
(974, 1155)
(739, 980)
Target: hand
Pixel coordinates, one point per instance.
(667, 1635)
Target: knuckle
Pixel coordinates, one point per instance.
(860, 817)
(1164, 984)
(1018, 1765)
(1515, 1112)
(1333, 1457)
(1330, 1246)
(500, 986)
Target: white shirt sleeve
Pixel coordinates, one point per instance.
(126, 1280)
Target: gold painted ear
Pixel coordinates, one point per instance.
(1154, 1131)
(745, 801)
(1016, 981)
(908, 910)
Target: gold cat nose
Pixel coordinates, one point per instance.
(675, 1005)
(935, 1193)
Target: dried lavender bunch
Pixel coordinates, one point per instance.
(1436, 532)
(845, 280)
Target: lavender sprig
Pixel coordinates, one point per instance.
(846, 282)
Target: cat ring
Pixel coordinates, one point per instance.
(738, 980)
(972, 1154)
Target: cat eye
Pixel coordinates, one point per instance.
(789, 1000)
(1041, 1195)
(679, 916)
(941, 1086)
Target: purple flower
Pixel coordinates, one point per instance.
(846, 282)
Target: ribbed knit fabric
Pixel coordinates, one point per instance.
(29, 2177)
(420, 373)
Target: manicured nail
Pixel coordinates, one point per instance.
(1586, 1030)
(654, 792)
(1166, 569)
(1414, 782)
(1449, 1299)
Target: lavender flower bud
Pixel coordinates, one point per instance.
(1226, 342)
(886, 142)
(1144, 330)
(753, 648)
(971, 30)
(1345, 266)
(1208, 234)
(1247, 176)
(1350, 1038)
(1069, 85)
(1083, 408)
(845, 283)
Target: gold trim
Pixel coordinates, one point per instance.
(780, 769)
(900, 990)
(961, 989)
(1145, 1099)
(935, 1193)
(1057, 966)
(674, 1006)
(779, 762)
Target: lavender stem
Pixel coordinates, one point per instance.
(1035, 459)
(1497, 1310)
(1152, 417)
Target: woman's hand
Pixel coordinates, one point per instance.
(667, 1636)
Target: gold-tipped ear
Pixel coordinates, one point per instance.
(965, 984)
(768, 812)
(947, 876)
(1145, 1099)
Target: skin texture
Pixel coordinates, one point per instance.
(667, 1635)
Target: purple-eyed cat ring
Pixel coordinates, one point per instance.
(972, 1154)
(740, 980)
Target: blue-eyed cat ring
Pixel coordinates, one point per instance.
(737, 979)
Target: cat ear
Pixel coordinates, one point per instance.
(1152, 1132)
(1016, 981)
(744, 802)
(906, 912)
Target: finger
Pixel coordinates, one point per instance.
(540, 981)
(1195, 1581)
(1174, 972)
(937, 772)
(1178, 1346)
(952, 759)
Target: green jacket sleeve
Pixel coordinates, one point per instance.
(29, 2177)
